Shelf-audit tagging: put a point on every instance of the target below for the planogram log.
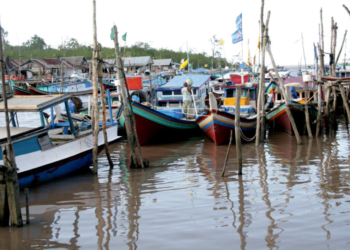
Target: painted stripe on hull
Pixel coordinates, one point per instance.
(217, 126)
(20, 91)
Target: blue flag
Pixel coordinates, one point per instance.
(238, 35)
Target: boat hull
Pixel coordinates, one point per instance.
(39, 166)
(217, 126)
(20, 91)
(152, 125)
(281, 120)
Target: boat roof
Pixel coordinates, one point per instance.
(178, 81)
(27, 103)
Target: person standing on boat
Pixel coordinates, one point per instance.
(187, 102)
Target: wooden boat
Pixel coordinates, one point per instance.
(166, 119)
(277, 116)
(50, 151)
(220, 119)
(78, 88)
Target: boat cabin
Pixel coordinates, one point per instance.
(169, 95)
(295, 93)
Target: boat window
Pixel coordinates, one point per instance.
(44, 142)
(167, 92)
(243, 92)
(230, 93)
(279, 97)
(303, 94)
(162, 104)
(194, 91)
(177, 92)
(251, 94)
(174, 104)
(311, 96)
(115, 99)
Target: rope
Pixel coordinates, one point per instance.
(311, 97)
(246, 138)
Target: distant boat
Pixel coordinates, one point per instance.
(79, 88)
(278, 113)
(43, 154)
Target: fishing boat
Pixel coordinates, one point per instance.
(219, 120)
(166, 119)
(78, 88)
(52, 150)
(278, 117)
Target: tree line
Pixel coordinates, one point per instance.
(36, 47)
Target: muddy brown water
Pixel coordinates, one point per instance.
(289, 197)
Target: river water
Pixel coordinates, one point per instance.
(289, 196)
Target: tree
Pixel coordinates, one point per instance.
(4, 36)
(214, 42)
(35, 42)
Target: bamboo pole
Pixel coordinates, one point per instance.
(265, 31)
(228, 151)
(262, 77)
(341, 48)
(319, 89)
(128, 115)
(284, 95)
(62, 82)
(95, 113)
(237, 129)
(306, 87)
(102, 93)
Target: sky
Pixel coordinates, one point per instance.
(174, 24)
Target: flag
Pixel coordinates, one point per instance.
(248, 54)
(182, 60)
(124, 37)
(205, 65)
(254, 60)
(112, 34)
(184, 64)
(238, 35)
(259, 43)
(222, 42)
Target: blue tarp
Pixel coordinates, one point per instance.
(243, 109)
(199, 70)
(178, 81)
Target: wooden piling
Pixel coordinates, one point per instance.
(4, 207)
(296, 133)
(345, 101)
(265, 32)
(102, 93)
(62, 81)
(238, 128)
(8, 155)
(228, 151)
(262, 77)
(307, 96)
(319, 107)
(95, 112)
(128, 114)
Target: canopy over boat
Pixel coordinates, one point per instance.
(33, 103)
(178, 81)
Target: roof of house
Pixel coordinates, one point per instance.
(137, 61)
(76, 60)
(163, 62)
(49, 63)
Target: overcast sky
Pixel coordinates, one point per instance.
(170, 24)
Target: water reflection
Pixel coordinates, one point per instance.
(289, 196)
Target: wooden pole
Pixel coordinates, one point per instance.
(297, 136)
(95, 113)
(262, 77)
(306, 87)
(345, 102)
(341, 48)
(319, 90)
(127, 112)
(62, 82)
(237, 129)
(228, 151)
(4, 206)
(8, 154)
(102, 93)
(265, 31)
(150, 82)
